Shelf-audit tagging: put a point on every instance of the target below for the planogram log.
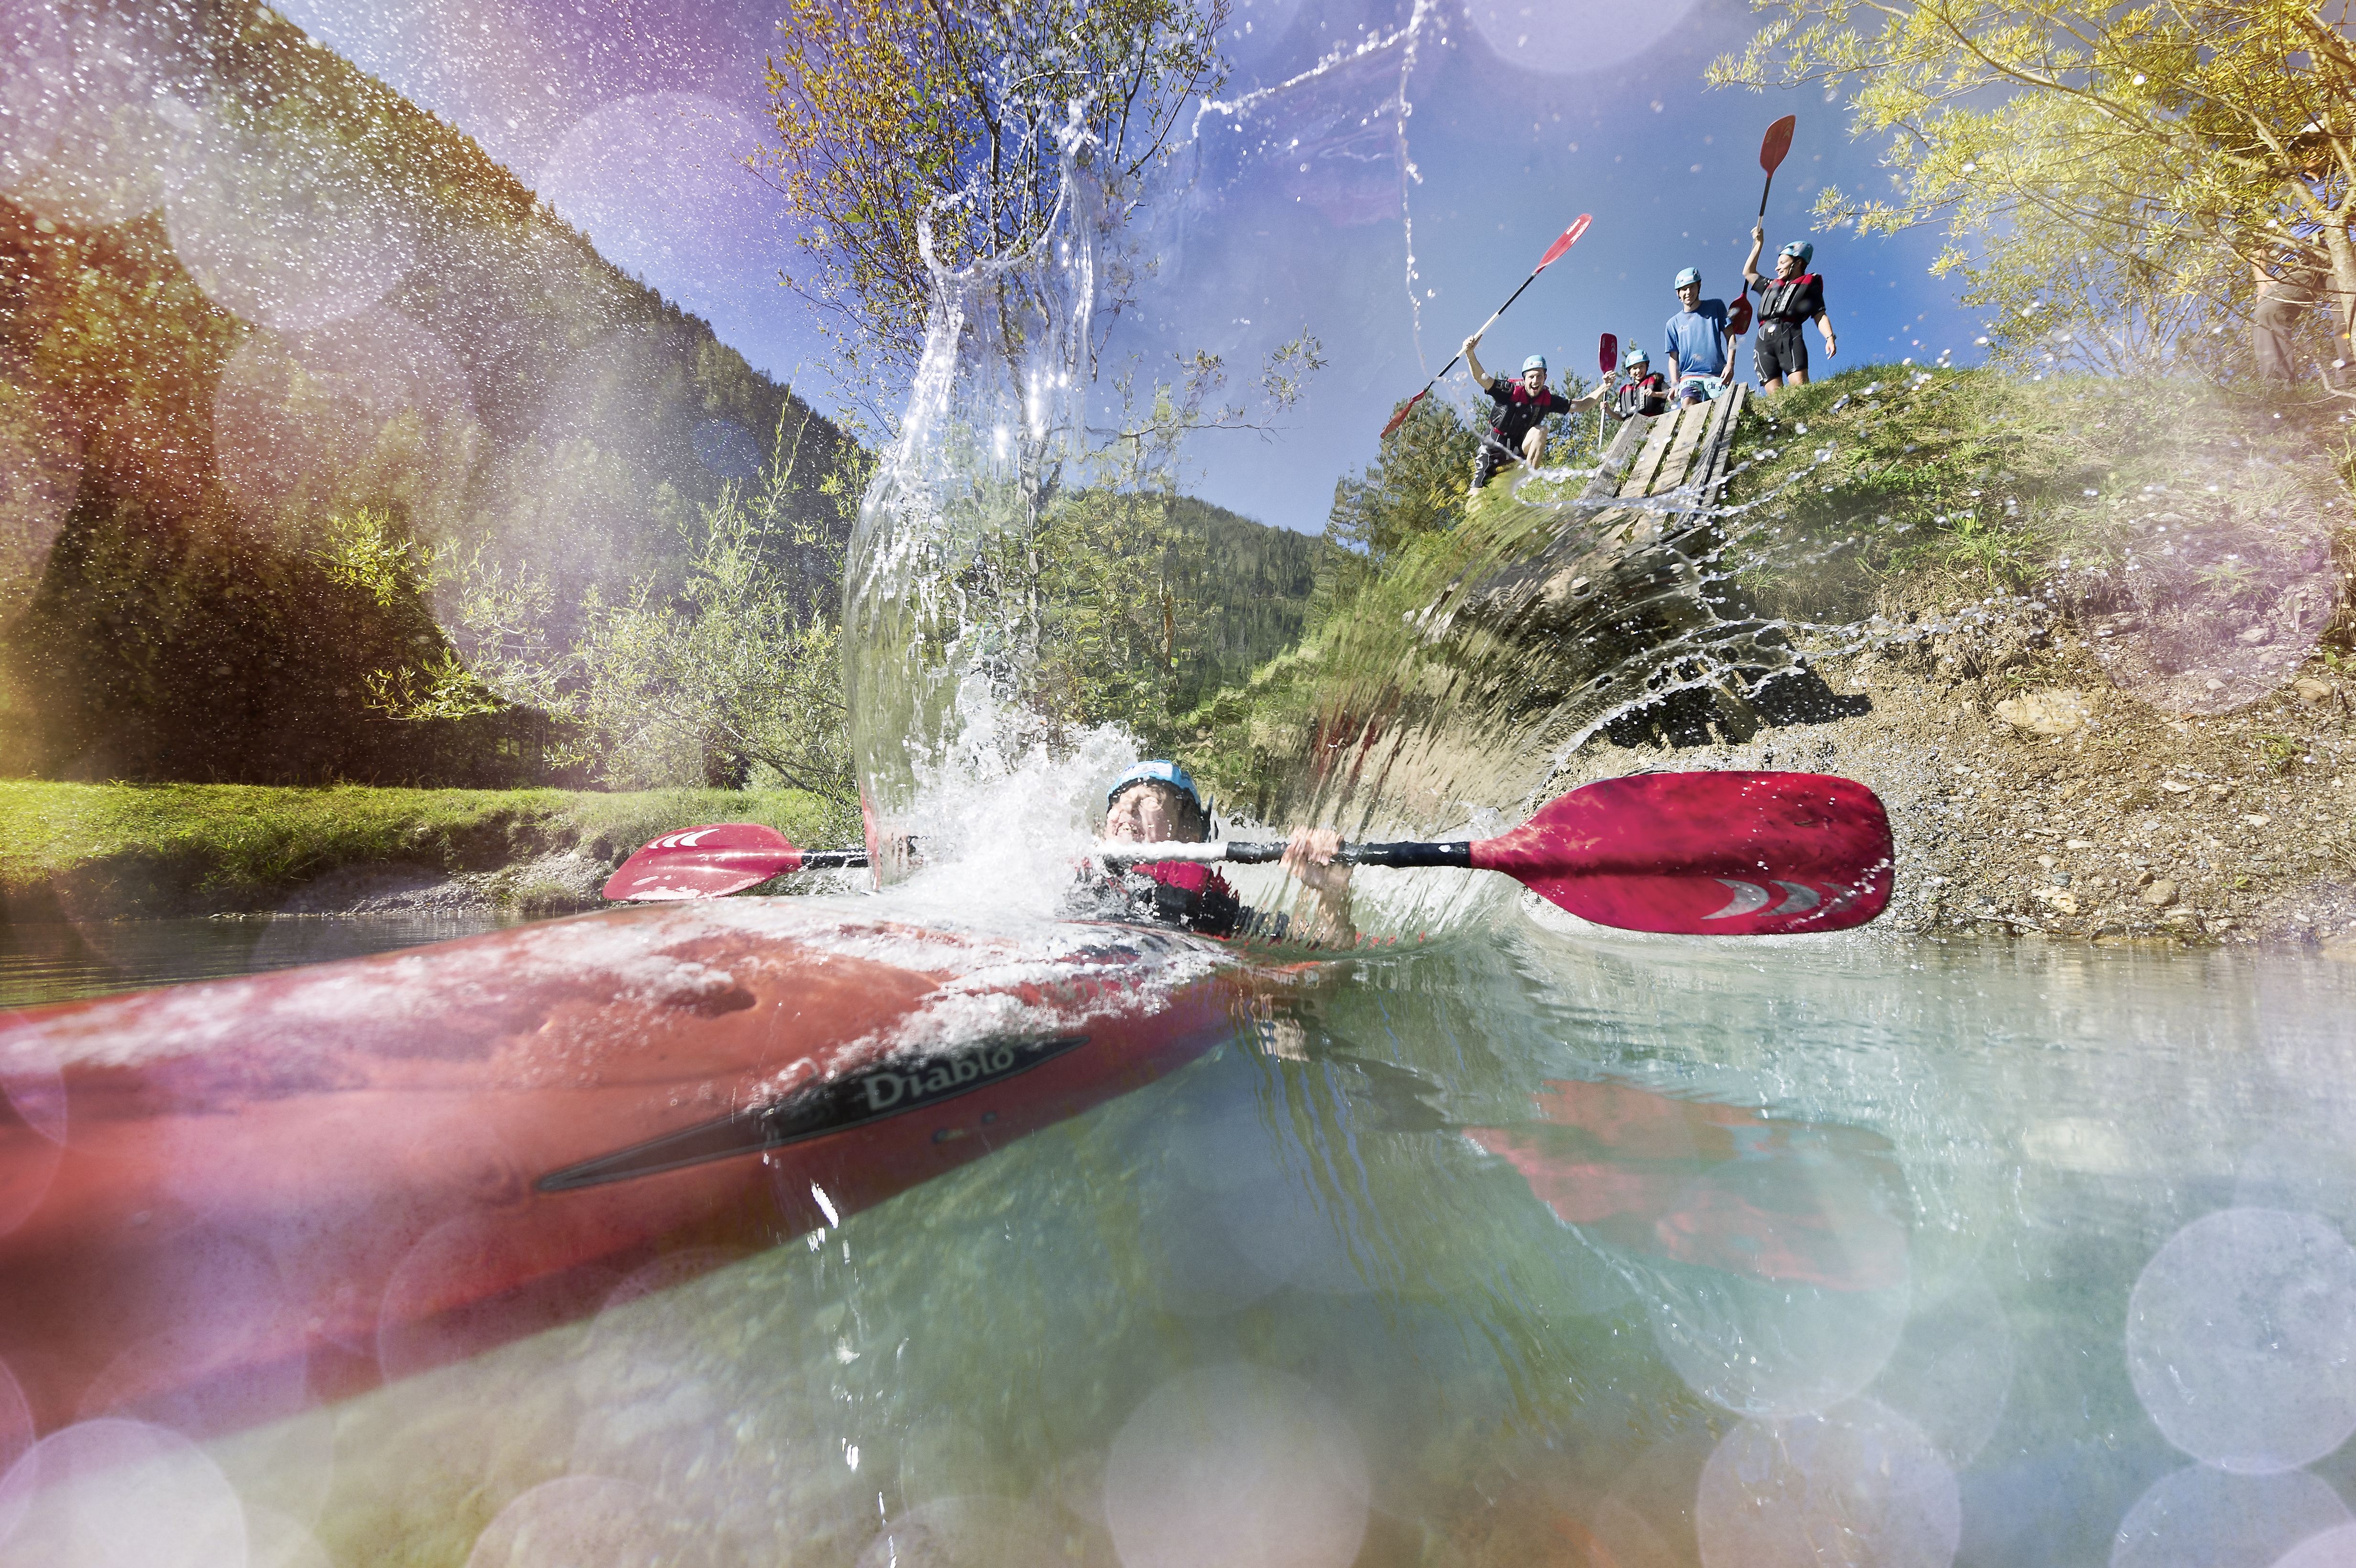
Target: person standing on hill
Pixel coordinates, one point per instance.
(2296, 280)
(1791, 296)
(1519, 428)
(1699, 367)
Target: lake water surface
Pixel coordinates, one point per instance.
(1527, 1246)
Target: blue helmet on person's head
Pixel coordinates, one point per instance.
(1635, 356)
(1799, 250)
(1159, 772)
(1535, 362)
(1690, 275)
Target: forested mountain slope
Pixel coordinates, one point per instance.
(246, 290)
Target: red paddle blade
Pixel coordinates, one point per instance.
(1607, 354)
(1725, 854)
(1738, 320)
(1776, 143)
(1569, 238)
(1398, 416)
(703, 863)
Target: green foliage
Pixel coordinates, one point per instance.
(732, 677)
(900, 125)
(363, 551)
(1418, 484)
(2107, 178)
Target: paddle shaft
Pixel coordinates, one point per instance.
(1409, 853)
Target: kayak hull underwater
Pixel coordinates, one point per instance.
(221, 1202)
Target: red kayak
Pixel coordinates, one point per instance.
(218, 1201)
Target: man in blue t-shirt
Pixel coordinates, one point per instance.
(1699, 367)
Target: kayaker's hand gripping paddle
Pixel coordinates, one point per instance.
(1715, 854)
(1554, 254)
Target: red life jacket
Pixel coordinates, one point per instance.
(1182, 893)
(1776, 299)
(1646, 394)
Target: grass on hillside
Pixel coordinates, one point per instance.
(248, 836)
(1893, 488)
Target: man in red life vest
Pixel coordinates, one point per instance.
(1518, 427)
(1794, 296)
(1156, 803)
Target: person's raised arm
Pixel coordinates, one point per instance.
(1750, 273)
(1472, 362)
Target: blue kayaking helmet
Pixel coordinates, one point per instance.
(1635, 356)
(1690, 275)
(1535, 362)
(1162, 772)
(1799, 250)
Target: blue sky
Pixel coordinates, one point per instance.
(627, 116)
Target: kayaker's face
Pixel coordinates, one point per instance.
(1787, 266)
(1689, 294)
(1534, 379)
(1144, 814)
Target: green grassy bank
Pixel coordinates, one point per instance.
(156, 846)
(1899, 488)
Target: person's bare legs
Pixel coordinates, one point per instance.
(1799, 377)
(1534, 447)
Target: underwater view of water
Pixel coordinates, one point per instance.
(1531, 1243)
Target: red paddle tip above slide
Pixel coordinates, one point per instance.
(1776, 143)
(1707, 854)
(727, 857)
(1569, 238)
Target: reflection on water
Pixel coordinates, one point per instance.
(53, 962)
(1530, 1250)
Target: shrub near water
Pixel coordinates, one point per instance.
(241, 838)
(1896, 488)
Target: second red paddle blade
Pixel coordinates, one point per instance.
(1719, 854)
(1776, 143)
(1398, 415)
(703, 863)
(1607, 353)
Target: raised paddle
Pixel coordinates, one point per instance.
(1772, 148)
(1715, 854)
(1554, 254)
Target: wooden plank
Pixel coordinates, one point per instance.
(1648, 462)
(1625, 444)
(1721, 448)
(1691, 424)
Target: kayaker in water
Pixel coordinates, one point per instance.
(1518, 427)
(1156, 803)
(1700, 367)
(1791, 296)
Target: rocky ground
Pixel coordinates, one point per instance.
(2029, 794)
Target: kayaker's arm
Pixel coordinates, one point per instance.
(1311, 859)
(1472, 362)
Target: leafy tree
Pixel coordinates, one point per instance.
(2106, 175)
(901, 124)
(730, 678)
(1416, 485)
